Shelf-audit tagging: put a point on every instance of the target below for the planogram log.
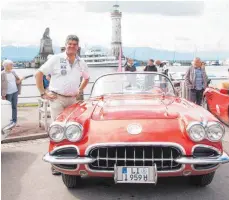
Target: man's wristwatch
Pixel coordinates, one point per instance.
(80, 91)
(42, 94)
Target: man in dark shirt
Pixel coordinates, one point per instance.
(130, 67)
(150, 67)
(149, 79)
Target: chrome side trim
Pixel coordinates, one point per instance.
(224, 158)
(117, 144)
(75, 160)
(63, 147)
(205, 146)
(68, 161)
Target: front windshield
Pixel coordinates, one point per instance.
(133, 83)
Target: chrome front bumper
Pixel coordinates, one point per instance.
(67, 161)
(224, 158)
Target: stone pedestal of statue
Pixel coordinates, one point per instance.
(45, 49)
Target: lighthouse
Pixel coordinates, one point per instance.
(116, 41)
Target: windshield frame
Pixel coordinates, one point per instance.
(124, 73)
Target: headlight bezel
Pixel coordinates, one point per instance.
(63, 131)
(189, 129)
(205, 127)
(77, 125)
(64, 127)
(210, 124)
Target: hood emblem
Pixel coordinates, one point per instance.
(134, 129)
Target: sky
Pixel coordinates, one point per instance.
(172, 25)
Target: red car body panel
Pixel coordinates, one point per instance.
(163, 119)
(218, 103)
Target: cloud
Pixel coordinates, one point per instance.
(181, 25)
(166, 8)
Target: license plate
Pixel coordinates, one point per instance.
(135, 174)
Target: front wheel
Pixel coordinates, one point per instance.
(72, 181)
(202, 180)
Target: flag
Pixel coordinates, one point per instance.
(120, 60)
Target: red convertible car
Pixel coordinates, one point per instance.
(216, 100)
(134, 129)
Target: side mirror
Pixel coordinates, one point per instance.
(209, 81)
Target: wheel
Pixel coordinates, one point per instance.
(71, 181)
(205, 104)
(202, 180)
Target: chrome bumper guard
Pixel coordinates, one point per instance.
(67, 161)
(224, 158)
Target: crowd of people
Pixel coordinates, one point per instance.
(195, 77)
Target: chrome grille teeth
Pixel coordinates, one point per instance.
(108, 156)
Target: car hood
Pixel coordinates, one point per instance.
(106, 120)
(129, 109)
(135, 109)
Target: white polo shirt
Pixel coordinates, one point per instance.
(65, 78)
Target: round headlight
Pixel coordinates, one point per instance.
(215, 132)
(196, 132)
(56, 133)
(74, 132)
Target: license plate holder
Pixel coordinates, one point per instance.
(135, 174)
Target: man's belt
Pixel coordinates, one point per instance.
(61, 94)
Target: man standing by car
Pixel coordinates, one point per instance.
(10, 87)
(65, 69)
(195, 81)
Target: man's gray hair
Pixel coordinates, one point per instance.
(71, 37)
(7, 62)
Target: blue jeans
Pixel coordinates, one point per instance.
(13, 99)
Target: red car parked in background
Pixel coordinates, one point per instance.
(216, 100)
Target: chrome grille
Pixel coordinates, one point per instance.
(108, 156)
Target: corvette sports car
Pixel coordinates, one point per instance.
(135, 129)
(216, 100)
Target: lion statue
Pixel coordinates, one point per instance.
(46, 34)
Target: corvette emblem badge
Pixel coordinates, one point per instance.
(134, 129)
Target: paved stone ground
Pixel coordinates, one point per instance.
(26, 177)
(27, 122)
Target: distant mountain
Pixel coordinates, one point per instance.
(27, 53)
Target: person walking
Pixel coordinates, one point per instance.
(10, 87)
(195, 81)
